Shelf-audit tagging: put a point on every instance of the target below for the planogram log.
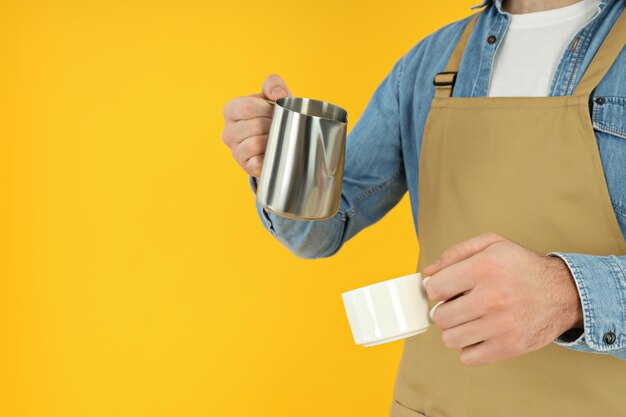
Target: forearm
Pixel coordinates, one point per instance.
(373, 182)
(305, 239)
(359, 208)
(601, 285)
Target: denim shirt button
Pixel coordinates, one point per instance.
(491, 39)
(609, 338)
(600, 101)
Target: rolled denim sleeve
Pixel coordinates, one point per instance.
(374, 180)
(601, 284)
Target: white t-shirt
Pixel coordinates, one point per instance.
(532, 48)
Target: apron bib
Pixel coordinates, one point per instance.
(527, 168)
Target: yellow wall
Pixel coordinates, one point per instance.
(135, 277)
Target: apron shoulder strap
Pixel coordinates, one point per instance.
(604, 57)
(597, 69)
(444, 81)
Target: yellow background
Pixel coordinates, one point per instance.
(135, 277)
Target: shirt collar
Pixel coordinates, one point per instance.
(498, 4)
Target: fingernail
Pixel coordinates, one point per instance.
(438, 261)
(278, 92)
(424, 282)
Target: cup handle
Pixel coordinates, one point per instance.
(431, 313)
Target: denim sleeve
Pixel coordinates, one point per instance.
(601, 284)
(373, 183)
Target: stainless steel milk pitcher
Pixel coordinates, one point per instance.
(303, 165)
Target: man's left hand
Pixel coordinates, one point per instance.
(503, 300)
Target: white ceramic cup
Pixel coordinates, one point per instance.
(388, 310)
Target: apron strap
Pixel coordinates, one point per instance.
(604, 57)
(444, 81)
(597, 69)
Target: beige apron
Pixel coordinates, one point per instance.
(527, 168)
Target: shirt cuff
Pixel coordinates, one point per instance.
(601, 284)
(263, 214)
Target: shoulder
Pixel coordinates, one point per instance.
(614, 82)
(433, 51)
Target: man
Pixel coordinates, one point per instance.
(508, 129)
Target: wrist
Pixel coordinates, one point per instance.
(570, 313)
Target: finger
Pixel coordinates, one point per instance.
(244, 129)
(248, 107)
(250, 147)
(432, 311)
(274, 87)
(481, 354)
(456, 312)
(450, 282)
(463, 250)
(254, 165)
(467, 334)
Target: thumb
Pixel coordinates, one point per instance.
(274, 87)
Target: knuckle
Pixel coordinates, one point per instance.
(226, 109)
(259, 126)
(487, 257)
(227, 136)
(271, 81)
(447, 339)
(486, 300)
(494, 301)
(433, 292)
(506, 296)
(485, 263)
(467, 359)
(250, 171)
(498, 303)
(491, 235)
(259, 146)
(237, 156)
(453, 252)
(256, 147)
(440, 319)
(229, 108)
(274, 79)
(246, 110)
(254, 164)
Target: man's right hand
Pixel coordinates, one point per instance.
(247, 124)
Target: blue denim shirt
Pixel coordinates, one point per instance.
(383, 151)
